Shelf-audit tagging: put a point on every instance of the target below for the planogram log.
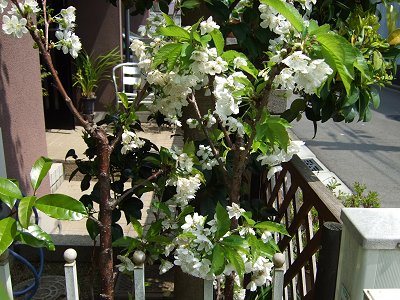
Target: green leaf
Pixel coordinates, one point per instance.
(233, 256)
(247, 216)
(190, 4)
(218, 40)
(162, 207)
(376, 100)
(39, 170)
(159, 239)
(8, 230)
(61, 207)
(259, 248)
(218, 260)
(187, 210)
(165, 52)
(174, 31)
(138, 227)
(154, 229)
(25, 210)
(92, 228)
(35, 236)
(168, 20)
(230, 55)
(8, 200)
(126, 242)
(394, 37)
(234, 241)
(223, 221)
(342, 54)
(9, 189)
(272, 226)
(288, 11)
(124, 99)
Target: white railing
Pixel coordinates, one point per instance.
(138, 258)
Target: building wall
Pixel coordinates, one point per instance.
(21, 109)
(98, 26)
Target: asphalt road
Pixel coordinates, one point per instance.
(365, 152)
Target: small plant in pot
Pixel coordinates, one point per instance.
(90, 72)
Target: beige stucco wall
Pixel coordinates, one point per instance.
(98, 26)
(21, 109)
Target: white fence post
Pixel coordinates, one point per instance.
(5, 277)
(208, 290)
(71, 278)
(138, 259)
(278, 276)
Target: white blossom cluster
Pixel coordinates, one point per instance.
(175, 86)
(185, 181)
(273, 20)
(192, 253)
(206, 156)
(130, 141)
(302, 73)
(278, 156)
(15, 25)
(227, 104)
(153, 22)
(68, 41)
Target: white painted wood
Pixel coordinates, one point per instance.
(208, 290)
(138, 278)
(71, 276)
(5, 277)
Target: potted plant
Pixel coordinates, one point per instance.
(90, 72)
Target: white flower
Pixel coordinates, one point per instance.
(138, 47)
(266, 236)
(3, 5)
(273, 170)
(234, 211)
(68, 42)
(192, 123)
(297, 61)
(239, 294)
(239, 62)
(14, 26)
(208, 26)
(67, 22)
(200, 56)
(186, 189)
(165, 266)
(125, 265)
(244, 230)
(130, 141)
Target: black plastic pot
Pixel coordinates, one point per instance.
(88, 105)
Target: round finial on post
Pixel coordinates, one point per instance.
(70, 255)
(138, 257)
(278, 259)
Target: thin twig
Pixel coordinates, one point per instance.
(115, 141)
(233, 5)
(46, 25)
(226, 135)
(98, 223)
(213, 148)
(117, 201)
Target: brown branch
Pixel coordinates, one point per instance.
(213, 148)
(140, 95)
(226, 135)
(98, 223)
(154, 176)
(233, 5)
(115, 141)
(46, 25)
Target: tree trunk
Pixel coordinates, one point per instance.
(105, 217)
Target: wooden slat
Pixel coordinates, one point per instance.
(309, 250)
(297, 221)
(286, 201)
(278, 184)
